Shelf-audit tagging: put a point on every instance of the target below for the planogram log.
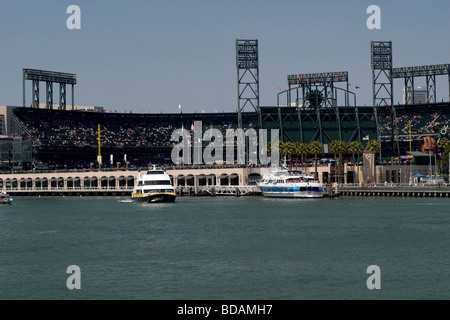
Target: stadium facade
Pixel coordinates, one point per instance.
(69, 139)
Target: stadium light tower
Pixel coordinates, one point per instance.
(383, 86)
(247, 66)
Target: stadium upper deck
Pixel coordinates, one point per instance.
(70, 137)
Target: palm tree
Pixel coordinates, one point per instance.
(338, 148)
(314, 148)
(373, 146)
(286, 149)
(443, 143)
(301, 149)
(290, 149)
(356, 147)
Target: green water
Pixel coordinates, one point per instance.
(225, 248)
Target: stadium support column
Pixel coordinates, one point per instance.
(49, 95)
(62, 96)
(35, 93)
(247, 66)
(431, 88)
(99, 157)
(23, 88)
(382, 84)
(73, 96)
(448, 72)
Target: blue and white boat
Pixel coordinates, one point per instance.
(284, 183)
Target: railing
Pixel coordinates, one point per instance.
(81, 189)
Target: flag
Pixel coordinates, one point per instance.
(192, 127)
(366, 138)
(279, 88)
(357, 87)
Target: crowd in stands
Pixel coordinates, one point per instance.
(421, 123)
(115, 132)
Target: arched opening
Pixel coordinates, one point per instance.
(130, 181)
(111, 182)
(77, 183)
(69, 182)
(122, 182)
(86, 182)
(38, 183)
(190, 180)
(22, 183)
(253, 179)
(103, 182)
(234, 179)
(44, 183)
(94, 182)
(201, 180)
(211, 178)
(181, 180)
(224, 179)
(60, 182)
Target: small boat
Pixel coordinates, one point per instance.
(153, 186)
(284, 183)
(5, 198)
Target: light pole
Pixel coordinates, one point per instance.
(431, 170)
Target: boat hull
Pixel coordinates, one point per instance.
(309, 195)
(155, 197)
(292, 191)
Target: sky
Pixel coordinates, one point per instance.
(153, 56)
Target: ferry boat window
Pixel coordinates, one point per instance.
(155, 172)
(157, 182)
(302, 188)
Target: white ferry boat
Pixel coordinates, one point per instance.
(154, 186)
(5, 198)
(290, 184)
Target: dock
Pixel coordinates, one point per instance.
(395, 191)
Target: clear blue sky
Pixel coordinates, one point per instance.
(154, 55)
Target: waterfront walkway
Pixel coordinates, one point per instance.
(395, 190)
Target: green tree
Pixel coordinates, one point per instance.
(373, 146)
(286, 149)
(338, 148)
(268, 149)
(443, 143)
(445, 157)
(356, 147)
(315, 148)
(301, 149)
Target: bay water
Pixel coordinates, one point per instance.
(225, 248)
